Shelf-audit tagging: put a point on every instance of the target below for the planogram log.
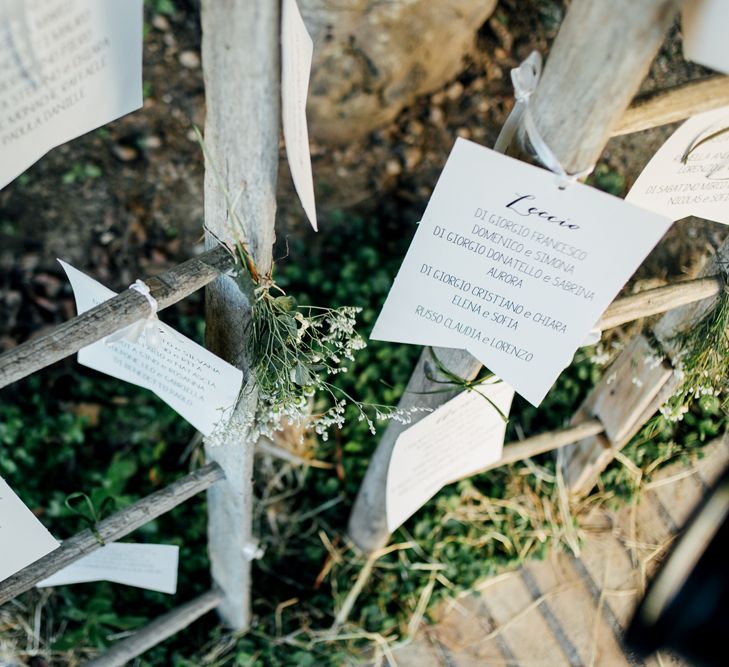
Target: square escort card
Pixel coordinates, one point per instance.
(68, 66)
(23, 539)
(150, 566)
(512, 268)
(193, 381)
(460, 438)
(297, 50)
(689, 174)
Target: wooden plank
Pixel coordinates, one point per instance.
(571, 604)
(116, 313)
(606, 560)
(627, 388)
(647, 533)
(626, 33)
(622, 405)
(240, 54)
(519, 621)
(157, 631)
(111, 529)
(673, 104)
(418, 652)
(678, 489)
(460, 630)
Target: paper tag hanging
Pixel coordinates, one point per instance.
(150, 566)
(704, 25)
(689, 175)
(68, 67)
(23, 539)
(296, 53)
(512, 268)
(461, 437)
(194, 382)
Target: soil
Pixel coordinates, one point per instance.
(126, 200)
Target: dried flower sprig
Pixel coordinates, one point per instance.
(291, 350)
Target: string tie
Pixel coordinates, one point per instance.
(146, 330)
(525, 79)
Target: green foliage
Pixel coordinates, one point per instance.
(607, 179)
(703, 358)
(69, 430)
(663, 441)
(165, 7)
(79, 173)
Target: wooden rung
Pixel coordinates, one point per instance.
(158, 630)
(112, 315)
(659, 300)
(174, 285)
(111, 529)
(544, 442)
(673, 104)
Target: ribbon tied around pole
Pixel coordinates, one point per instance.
(144, 331)
(525, 79)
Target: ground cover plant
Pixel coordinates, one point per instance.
(126, 201)
(70, 429)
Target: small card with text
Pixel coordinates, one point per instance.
(460, 438)
(689, 174)
(69, 66)
(191, 380)
(23, 539)
(296, 53)
(150, 566)
(513, 269)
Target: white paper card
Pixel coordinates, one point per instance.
(191, 380)
(513, 269)
(698, 185)
(23, 539)
(66, 67)
(296, 53)
(705, 24)
(461, 437)
(150, 566)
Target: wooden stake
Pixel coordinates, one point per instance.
(240, 53)
(157, 631)
(598, 60)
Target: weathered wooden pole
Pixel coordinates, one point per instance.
(240, 53)
(600, 56)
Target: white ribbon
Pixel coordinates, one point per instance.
(253, 550)
(145, 330)
(525, 79)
